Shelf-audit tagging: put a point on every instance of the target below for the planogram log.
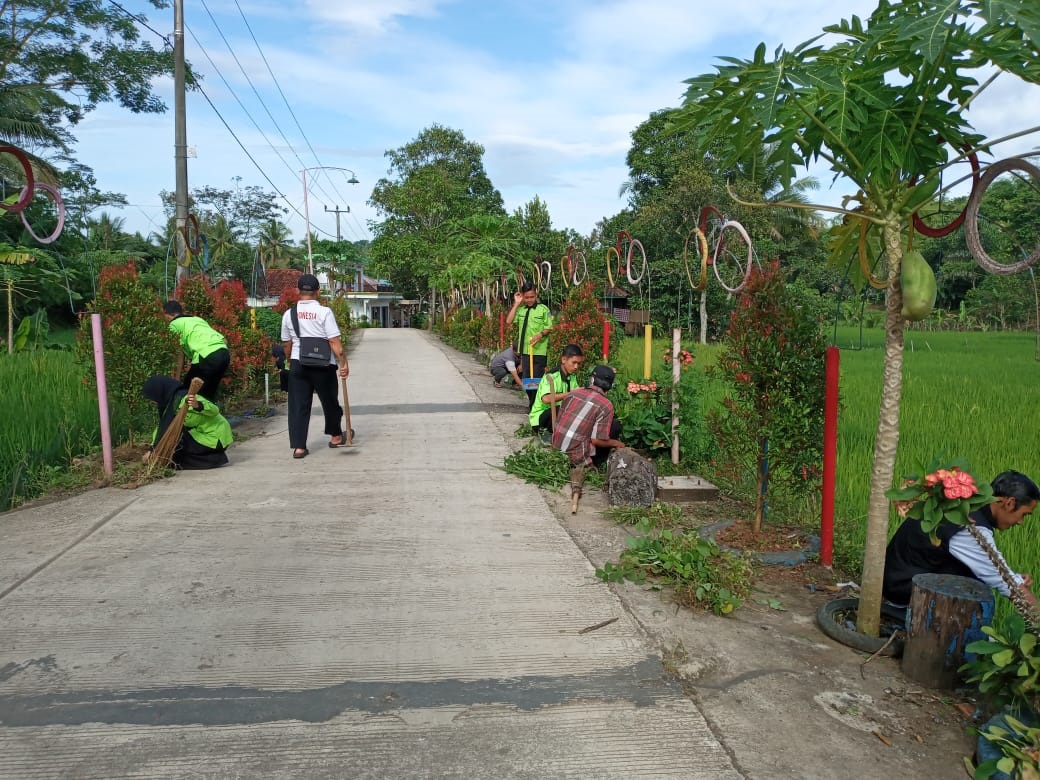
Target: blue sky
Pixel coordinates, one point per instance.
(551, 89)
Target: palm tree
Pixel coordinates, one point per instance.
(274, 242)
(106, 232)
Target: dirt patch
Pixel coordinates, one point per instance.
(770, 538)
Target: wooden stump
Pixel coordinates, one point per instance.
(946, 613)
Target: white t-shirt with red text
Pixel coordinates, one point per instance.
(316, 321)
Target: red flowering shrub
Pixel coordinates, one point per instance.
(225, 308)
(193, 293)
(580, 322)
(137, 341)
(770, 427)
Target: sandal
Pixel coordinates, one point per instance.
(301, 453)
(343, 440)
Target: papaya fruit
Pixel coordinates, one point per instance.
(918, 282)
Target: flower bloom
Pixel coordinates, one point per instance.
(959, 484)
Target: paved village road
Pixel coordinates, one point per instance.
(401, 609)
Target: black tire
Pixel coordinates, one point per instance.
(827, 619)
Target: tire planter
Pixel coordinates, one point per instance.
(832, 620)
(783, 558)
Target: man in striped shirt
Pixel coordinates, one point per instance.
(586, 429)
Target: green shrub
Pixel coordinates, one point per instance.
(137, 341)
(769, 426)
(700, 573)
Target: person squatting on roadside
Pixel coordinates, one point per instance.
(205, 435)
(555, 386)
(316, 321)
(586, 429)
(911, 550)
(533, 326)
(204, 347)
(505, 364)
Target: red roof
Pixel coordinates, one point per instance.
(281, 279)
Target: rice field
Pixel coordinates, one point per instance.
(49, 416)
(970, 395)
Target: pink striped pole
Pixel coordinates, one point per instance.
(102, 386)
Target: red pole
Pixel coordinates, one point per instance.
(830, 455)
(606, 339)
(501, 330)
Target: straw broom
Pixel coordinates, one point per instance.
(162, 453)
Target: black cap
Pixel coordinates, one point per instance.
(605, 373)
(308, 283)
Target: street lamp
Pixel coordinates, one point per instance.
(306, 210)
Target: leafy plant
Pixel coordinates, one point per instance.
(659, 515)
(580, 322)
(945, 493)
(539, 465)
(137, 341)
(1007, 666)
(1020, 745)
(696, 568)
(768, 429)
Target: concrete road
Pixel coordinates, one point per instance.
(401, 609)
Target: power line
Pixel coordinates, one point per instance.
(284, 99)
(255, 91)
(239, 101)
(223, 121)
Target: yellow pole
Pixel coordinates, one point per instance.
(648, 343)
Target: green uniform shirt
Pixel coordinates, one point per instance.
(562, 386)
(198, 338)
(538, 319)
(207, 426)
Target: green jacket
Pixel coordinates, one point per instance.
(198, 338)
(560, 384)
(207, 426)
(538, 318)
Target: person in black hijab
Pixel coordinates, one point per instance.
(206, 434)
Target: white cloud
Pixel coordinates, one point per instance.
(552, 91)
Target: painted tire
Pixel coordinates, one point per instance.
(971, 222)
(827, 620)
(59, 205)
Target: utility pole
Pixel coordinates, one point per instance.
(337, 211)
(180, 143)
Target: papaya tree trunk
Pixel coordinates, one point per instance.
(887, 441)
(433, 309)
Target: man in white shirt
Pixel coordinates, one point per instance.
(911, 550)
(315, 321)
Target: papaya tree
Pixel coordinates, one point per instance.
(883, 101)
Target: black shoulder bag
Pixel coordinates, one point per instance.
(314, 351)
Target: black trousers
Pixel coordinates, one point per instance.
(304, 382)
(540, 362)
(210, 370)
(190, 455)
(602, 453)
